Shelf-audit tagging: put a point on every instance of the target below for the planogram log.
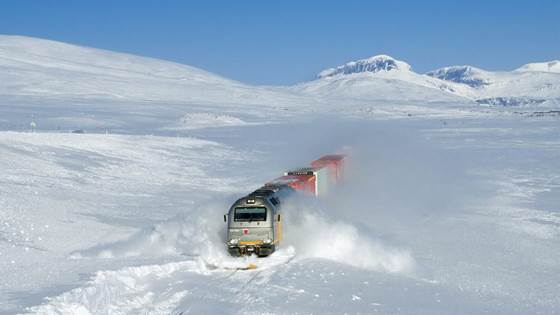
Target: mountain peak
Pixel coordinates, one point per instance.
(550, 66)
(372, 64)
(469, 75)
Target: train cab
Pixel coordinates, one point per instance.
(255, 221)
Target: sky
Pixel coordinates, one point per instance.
(286, 42)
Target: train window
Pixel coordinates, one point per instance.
(248, 214)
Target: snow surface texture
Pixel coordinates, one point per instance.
(114, 204)
(207, 120)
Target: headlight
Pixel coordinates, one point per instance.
(233, 241)
(267, 241)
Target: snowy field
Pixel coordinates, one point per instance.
(438, 216)
(114, 205)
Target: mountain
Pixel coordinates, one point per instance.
(382, 77)
(551, 66)
(373, 64)
(64, 86)
(43, 70)
(33, 67)
(531, 84)
(468, 75)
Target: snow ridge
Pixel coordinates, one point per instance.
(550, 66)
(468, 75)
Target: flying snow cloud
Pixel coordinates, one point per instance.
(314, 234)
(194, 234)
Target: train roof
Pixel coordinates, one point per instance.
(269, 189)
(332, 157)
(303, 171)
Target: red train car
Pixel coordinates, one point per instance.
(296, 182)
(334, 163)
(313, 179)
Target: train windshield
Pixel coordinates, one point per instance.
(250, 214)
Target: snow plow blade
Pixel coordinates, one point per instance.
(249, 267)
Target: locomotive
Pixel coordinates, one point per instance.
(255, 220)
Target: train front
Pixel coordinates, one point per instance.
(251, 227)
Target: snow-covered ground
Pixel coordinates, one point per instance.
(436, 216)
(448, 207)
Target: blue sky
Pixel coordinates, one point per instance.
(285, 42)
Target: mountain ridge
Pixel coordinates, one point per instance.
(530, 84)
(46, 68)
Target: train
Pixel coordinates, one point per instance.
(254, 222)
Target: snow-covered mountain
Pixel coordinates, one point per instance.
(33, 67)
(551, 66)
(468, 75)
(373, 64)
(64, 86)
(531, 84)
(385, 78)
(44, 69)
(382, 78)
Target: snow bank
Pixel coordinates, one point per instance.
(133, 290)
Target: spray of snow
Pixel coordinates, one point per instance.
(310, 233)
(189, 235)
(314, 234)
